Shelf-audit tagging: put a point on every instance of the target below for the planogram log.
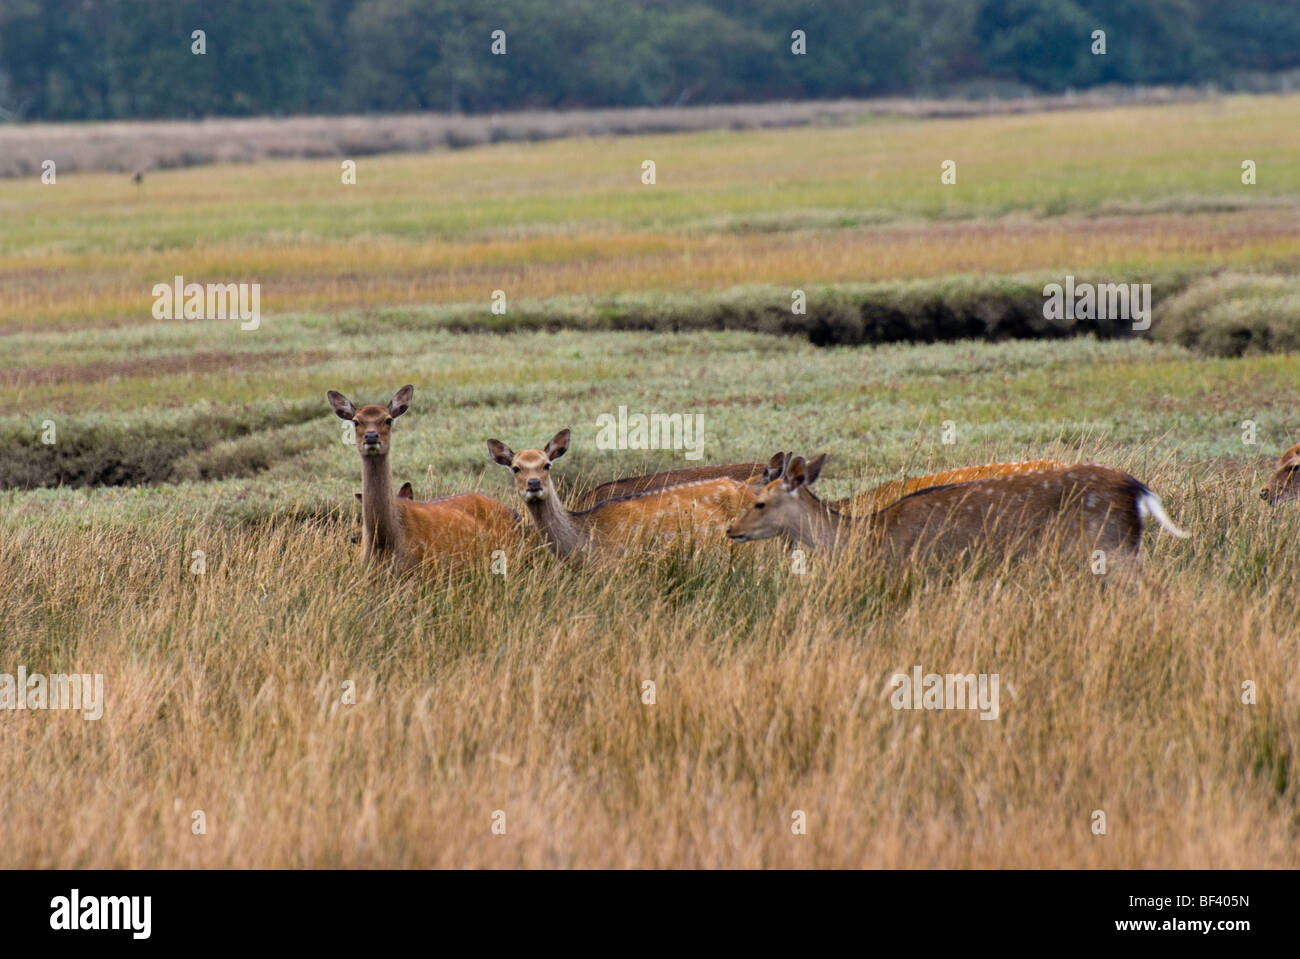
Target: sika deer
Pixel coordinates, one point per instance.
(750, 473)
(701, 506)
(883, 495)
(451, 530)
(1105, 508)
(759, 474)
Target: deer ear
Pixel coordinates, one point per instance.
(401, 401)
(793, 478)
(343, 407)
(558, 445)
(406, 492)
(1291, 457)
(776, 466)
(813, 470)
(500, 453)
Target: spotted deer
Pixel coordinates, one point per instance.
(450, 530)
(698, 506)
(1284, 485)
(1104, 508)
(886, 493)
(760, 474)
(750, 473)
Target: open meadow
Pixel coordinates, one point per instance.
(178, 508)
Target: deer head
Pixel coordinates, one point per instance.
(1285, 483)
(783, 505)
(374, 422)
(532, 468)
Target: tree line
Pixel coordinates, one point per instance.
(106, 59)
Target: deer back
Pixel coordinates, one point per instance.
(628, 486)
(1095, 505)
(883, 495)
(701, 506)
(457, 529)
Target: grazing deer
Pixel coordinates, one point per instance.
(699, 505)
(1285, 483)
(1108, 506)
(451, 529)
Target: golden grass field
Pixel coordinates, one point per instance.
(522, 692)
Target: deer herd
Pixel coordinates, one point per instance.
(997, 505)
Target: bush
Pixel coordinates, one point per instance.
(154, 447)
(923, 311)
(1233, 314)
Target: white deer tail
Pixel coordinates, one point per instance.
(1149, 507)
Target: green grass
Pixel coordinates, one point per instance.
(1122, 190)
(1067, 161)
(877, 410)
(1232, 314)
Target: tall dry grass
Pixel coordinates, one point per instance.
(522, 693)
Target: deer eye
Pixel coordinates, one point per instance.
(759, 505)
(388, 422)
(515, 468)
(547, 466)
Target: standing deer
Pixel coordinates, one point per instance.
(699, 505)
(452, 529)
(1285, 483)
(1106, 507)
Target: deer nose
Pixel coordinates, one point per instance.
(1263, 494)
(372, 437)
(534, 485)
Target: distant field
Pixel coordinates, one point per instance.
(1117, 190)
(128, 146)
(521, 692)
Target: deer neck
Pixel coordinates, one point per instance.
(820, 527)
(381, 520)
(564, 533)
